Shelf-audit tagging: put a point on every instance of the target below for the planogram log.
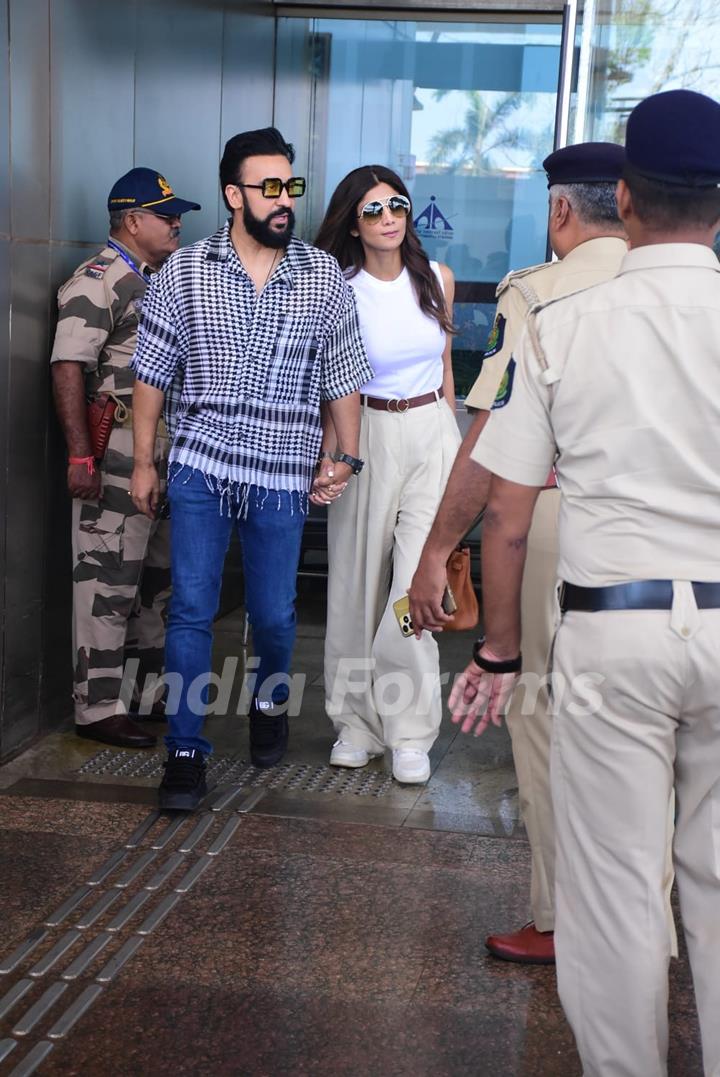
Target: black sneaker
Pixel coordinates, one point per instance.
(268, 733)
(183, 785)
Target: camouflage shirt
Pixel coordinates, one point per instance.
(98, 320)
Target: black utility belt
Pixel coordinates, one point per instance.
(639, 595)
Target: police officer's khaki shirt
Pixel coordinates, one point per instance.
(629, 411)
(98, 311)
(589, 263)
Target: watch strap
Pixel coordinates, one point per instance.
(506, 665)
(353, 462)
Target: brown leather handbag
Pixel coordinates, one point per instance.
(467, 613)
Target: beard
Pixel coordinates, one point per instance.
(260, 230)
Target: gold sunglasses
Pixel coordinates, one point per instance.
(398, 205)
(273, 187)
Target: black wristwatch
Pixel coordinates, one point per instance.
(353, 463)
(507, 665)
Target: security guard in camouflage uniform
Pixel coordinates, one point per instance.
(586, 235)
(121, 559)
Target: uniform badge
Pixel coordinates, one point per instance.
(164, 186)
(505, 389)
(96, 270)
(496, 338)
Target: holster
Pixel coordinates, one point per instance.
(101, 414)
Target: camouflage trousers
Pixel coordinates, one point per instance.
(121, 586)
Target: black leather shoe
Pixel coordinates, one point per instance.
(117, 730)
(268, 734)
(183, 785)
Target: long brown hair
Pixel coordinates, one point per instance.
(340, 217)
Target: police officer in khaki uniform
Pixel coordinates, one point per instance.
(619, 386)
(121, 559)
(588, 238)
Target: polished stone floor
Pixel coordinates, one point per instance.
(299, 929)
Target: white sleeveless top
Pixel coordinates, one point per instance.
(404, 345)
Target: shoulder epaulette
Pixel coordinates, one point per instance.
(549, 375)
(100, 263)
(554, 300)
(516, 274)
(96, 270)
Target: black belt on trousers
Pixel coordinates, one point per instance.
(640, 595)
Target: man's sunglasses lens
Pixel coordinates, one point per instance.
(398, 205)
(272, 188)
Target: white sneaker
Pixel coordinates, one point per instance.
(348, 755)
(410, 765)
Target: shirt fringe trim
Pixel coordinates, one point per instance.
(235, 498)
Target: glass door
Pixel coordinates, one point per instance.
(464, 112)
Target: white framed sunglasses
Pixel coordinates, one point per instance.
(398, 205)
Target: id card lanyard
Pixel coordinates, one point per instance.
(126, 258)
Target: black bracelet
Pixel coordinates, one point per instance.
(507, 665)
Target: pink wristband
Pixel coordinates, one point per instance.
(89, 462)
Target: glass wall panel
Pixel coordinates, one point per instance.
(178, 82)
(633, 48)
(464, 112)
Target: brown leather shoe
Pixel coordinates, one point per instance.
(118, 730)
(528, 946)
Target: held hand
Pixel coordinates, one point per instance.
(82, 484)
(480, 697)
(145, 489)
(426, 591)
(330, 481)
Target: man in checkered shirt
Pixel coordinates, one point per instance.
(263, 328)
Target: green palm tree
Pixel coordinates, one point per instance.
(468, 148)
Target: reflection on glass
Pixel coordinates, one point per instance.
(483, 121)
(473, 322)
(463, 112)
(640, 47)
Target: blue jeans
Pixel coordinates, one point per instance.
(270, 529)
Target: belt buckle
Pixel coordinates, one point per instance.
(397, 402)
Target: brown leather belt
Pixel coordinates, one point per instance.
(404, 403)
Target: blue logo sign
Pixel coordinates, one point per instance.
(432, 220)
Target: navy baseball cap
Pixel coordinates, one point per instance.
(144, 188)
(588, 162)
(675, 137)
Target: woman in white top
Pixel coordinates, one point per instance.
(383, 688)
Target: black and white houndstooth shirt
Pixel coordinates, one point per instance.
(255, 367)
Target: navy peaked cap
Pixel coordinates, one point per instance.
(144, 188)
(588, 162)
(675, 137)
